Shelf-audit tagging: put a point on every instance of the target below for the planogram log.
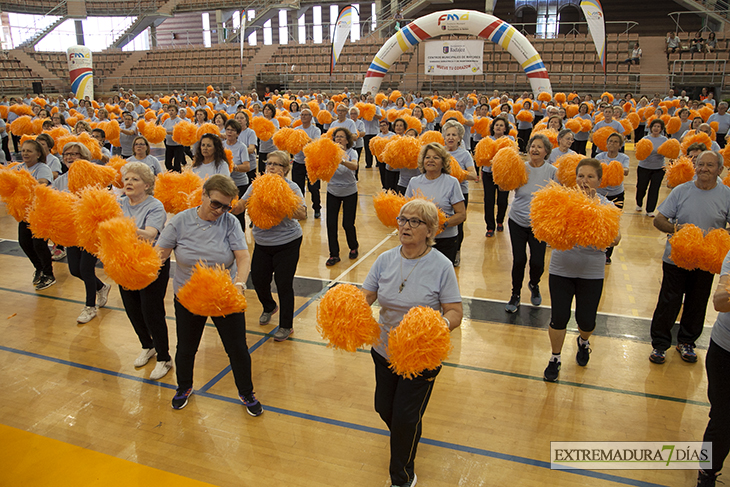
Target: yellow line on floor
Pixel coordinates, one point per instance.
(34, 460)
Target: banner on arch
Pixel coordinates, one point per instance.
(449, 58)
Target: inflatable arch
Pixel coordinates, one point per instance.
(459, 22)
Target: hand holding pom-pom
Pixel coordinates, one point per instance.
(51, 216)
(669, 149)
(420, 342)
(508, 169)
(271, 201)
(429, 137)
(84, 174)
(567, 165)
(345, 319)
(95, 205)
(644, 148)
(687, 245)
(264, 128)
(322, 158)
(387, 207)
(210, 292)
(680, 171)
(484, 152)
(613, 174)
(130, 261)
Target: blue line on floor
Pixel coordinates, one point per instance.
(348, 425)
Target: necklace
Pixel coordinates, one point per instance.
(418, 260)
(201, 218)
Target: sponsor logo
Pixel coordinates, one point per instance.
(446, 49)
(74, 55)
(451, 17)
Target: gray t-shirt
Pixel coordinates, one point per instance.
(707, 209)
(537, 178)
(195, 239)
(465, 160)
(723, 122)
(624, 160)
(169, 124)
(125, 141)
(580, 262)
(343, 183)
(655, 160)
(283, 233)
(721, 329)
(53, 163)
(240, 154)
(406, 175)
(444, 191)
(151, 161)
(248, 137)
(148, 213)
(431, 281)
(349, 124)
(39, 171)
(209, 169)
(556, 154)
(313, 132)
(266, 146)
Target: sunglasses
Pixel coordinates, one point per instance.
(217, 205)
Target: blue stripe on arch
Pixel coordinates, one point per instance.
(409, 35)
(497, 36)
(534, 67)
(375, 67)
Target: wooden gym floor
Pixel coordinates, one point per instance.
(75, 411)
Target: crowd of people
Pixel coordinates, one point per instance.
(214, 231)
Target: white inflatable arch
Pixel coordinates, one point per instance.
(459, 22)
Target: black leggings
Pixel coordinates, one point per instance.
(368, 154)
(391, 179)
(587, 293)
(448, 247)
(651, 178)
(520, 238)
(299, 176)
(717, 363)
(146, 311)
(579, 146)
(231, 329)
(82, 264)
(281, 262)
(523, 136)
(490, 190)
(174, 157)
(36, 249)
(460, 226)
(618, 200)
(349, 212)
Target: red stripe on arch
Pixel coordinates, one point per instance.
(538, 74)
(374, 74)
(490, 28)
(418, 31)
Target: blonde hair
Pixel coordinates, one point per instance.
(453, 123)
(144, 172)
(426, 211)
(441, 151)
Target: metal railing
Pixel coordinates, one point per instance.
(712, 76)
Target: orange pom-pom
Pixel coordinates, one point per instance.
(508, 169)
(210, 292)
(572, 110)
(379, 97)
(313, 106)
(117, 163)
(322, 158)
(679, 171)
(281, 136)
(283, 121)
(634, 119)
(367, 110)
(696, 137)
(687, 246)
(229, 159)
(457, 171)
(429, 137)
(207, 128)
(626, 124)
(391, 115)
(574, 125)
(111, 130)
(669, 149)
(715, 246)
(429, 114)
(567, 165)
(413, 123)
(454, 114)
(644, 148)
(387, 207)
(95, 205)
(705, 112)
(394, 95)
(22, 126)
(72, 121)
(271, 201)
(600, 137)
(154, 134)
(609, 95)
(4, 110)
(551, 134)
(420, 342)
(51, 216)
(586, 125)
(297, 140)
(613, 174)
(565, 217)
(345, 320)
(402, 152)
(481, 126)
(26, 138)
(715, 126)
(324, 117)
(90, 143)
(130, 261)
(484, 152)
(525, 116)
(16, 190)
(264, 128)
(673, 125)
(560, 97)
(185, 133)
(84, 174)
(377, 146)
(544, 97)
(176, 191)
(21, 110)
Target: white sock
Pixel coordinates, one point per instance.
(582, 342)
(555, 358)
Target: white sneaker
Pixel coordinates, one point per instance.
(87, 314)
(102, 295)
(639, 208)
(161, 369)
(144, 357)
(651, 214)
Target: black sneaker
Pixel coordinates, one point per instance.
(37, 277)
(181, 398)
(584, 353)
(536, 298)
(317, 214)
(514, 303)
(45, 282)
(706, 479)
(253, 406)
(552, 371)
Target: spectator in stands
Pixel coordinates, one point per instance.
(635, 56)
(723, 122)
(711, 43)
(697, 44)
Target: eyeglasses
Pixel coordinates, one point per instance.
(412, 222)
(268, 164)
(217, 205)
(72, 154)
